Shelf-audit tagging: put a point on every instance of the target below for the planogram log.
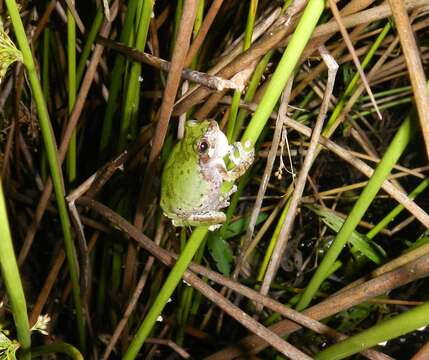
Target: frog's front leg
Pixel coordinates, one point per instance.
(241, 158)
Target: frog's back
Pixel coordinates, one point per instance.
(182, 190)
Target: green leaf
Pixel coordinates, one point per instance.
(358, 241)
(422, 240)
(220, 252)
(352, 317)
(239, 226)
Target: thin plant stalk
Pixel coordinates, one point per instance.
(166, 291)
(71, 57)
(115, 86)
(12, 281)
(272, 244)
(385, 106)
(45, 87)
(409, 320)
(237, 93)
(250, 93)
(398, 144)
(254, 84)
(352, 84)
(86, 51)
(133, 88)
(197, 25)
(396, 210)
(186, 301)
(51, 153)
(177, 17)
(284, 69)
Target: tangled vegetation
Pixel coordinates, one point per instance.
(324, 249)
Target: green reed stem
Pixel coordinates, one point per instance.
(131, 106)
(352, 84)
(116, 84)
(166, 291)
(71, 57)
(237, 93)
(51, 153)
(90, 39)
(12, 281)
(284, 69)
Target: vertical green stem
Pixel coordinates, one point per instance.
(197, 24)
(177, 17)
(250, 93)
(92, 34)
(237, 93)
(45, 87)
(115, 87)
(272, 244)
(50, 147)
(71, 57)
(12, 280)
(284, 69)
(167, 290)
(233, 110)
(133, 88)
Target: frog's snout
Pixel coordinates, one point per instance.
(213, 125)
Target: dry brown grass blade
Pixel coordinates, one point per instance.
(356, 61)
(414, 65)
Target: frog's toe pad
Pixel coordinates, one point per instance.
(214, 227)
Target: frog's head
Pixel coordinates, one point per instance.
(207, 139)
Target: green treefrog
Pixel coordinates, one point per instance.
(196, 183)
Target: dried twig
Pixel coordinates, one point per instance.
(349, 44)
(265, 177)
(210, 81)
(414, 65)
(287, 226)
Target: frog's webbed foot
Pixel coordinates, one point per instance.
(227, 195)
(241, 162)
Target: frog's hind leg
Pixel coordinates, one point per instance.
(212, 218)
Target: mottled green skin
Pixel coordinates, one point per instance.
(186, 196)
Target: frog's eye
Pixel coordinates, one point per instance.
(203, 146)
